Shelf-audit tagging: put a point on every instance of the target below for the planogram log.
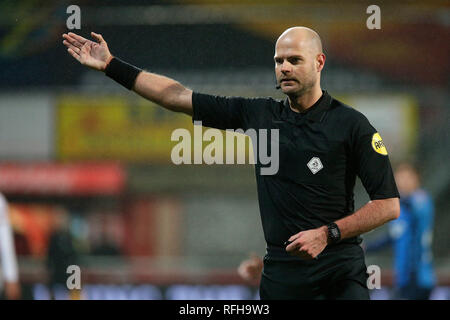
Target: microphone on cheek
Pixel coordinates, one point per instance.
(277, 84)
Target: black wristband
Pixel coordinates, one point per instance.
(122, 72)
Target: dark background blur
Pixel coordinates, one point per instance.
(81, 156)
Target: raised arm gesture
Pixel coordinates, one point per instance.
(164, 91)
(95, 55)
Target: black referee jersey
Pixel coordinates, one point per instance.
(321, 151)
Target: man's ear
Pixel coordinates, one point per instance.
(320, 60)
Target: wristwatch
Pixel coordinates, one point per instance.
(334, 234)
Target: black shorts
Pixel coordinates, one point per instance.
(339, 273)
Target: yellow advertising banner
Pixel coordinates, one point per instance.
(116, 128)
(132, 129)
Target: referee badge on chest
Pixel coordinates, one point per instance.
(315, 165)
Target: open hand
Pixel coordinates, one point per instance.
(95, 55)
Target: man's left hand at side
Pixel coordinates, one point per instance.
(308, 244)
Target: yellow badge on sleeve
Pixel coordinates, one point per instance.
(378, 145)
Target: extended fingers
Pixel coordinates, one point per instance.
(72, 41)
(78, 38)
(71, 46)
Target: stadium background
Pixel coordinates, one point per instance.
(78, 150)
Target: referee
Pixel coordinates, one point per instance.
(307, 207)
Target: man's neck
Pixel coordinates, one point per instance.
(305, 101)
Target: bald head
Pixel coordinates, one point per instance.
(304, 37)
(299, 61)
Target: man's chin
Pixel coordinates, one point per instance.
(289, 89)
(297, 90)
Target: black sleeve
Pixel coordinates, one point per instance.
(372, 161)
(223, 112)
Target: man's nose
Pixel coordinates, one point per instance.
(286, 67)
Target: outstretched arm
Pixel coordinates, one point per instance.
(162, 90)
